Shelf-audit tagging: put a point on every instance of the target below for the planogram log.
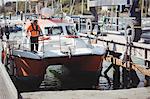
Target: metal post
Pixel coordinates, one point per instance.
(116, 76)
(136, 12)
(142, 8)
(133, 77)
(61, 9)
(82, 7)
(30, 8)
(4, 12)
(25, 10)
(125, 73)
(10, 16)
(52, 4)
(129, 58)
(21, 14)
(16, 6)
(118, 8)
(146, 57)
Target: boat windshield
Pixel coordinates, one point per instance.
(53, 30)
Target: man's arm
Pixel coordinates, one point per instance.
(28, 31)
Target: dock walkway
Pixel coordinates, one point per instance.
(135, 93)
(7, 88)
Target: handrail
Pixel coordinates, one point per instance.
(42, 44)
(146, 50)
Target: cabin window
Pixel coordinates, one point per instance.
(53, 30)
(70, 30)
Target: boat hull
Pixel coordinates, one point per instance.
(37, 67)
(83, 69)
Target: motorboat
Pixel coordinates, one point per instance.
(59, 46)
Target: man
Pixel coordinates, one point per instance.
(1, 33)
(35, 31)
(7, 32)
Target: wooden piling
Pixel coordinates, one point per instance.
(116, 72)
(116, 77)
(134, 79)
(147, 81)
(125, 78)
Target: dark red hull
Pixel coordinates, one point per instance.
(30, 67)
(83, 70)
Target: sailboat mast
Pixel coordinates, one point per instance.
(72, 7)
(25, 10)
(61, 5)
(16, 6)
(142, 8)
(82, 7)
(52, 4)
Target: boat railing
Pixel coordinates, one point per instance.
(107, 23)
(66, 45)
(110, 23)
(20, 43)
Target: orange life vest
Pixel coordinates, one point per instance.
(34, 30)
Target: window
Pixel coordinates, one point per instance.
(70, 30)
(53, 30)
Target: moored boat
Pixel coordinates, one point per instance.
(60, 45)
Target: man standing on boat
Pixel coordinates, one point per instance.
(35, 31)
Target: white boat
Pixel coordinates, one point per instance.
(58, 45)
